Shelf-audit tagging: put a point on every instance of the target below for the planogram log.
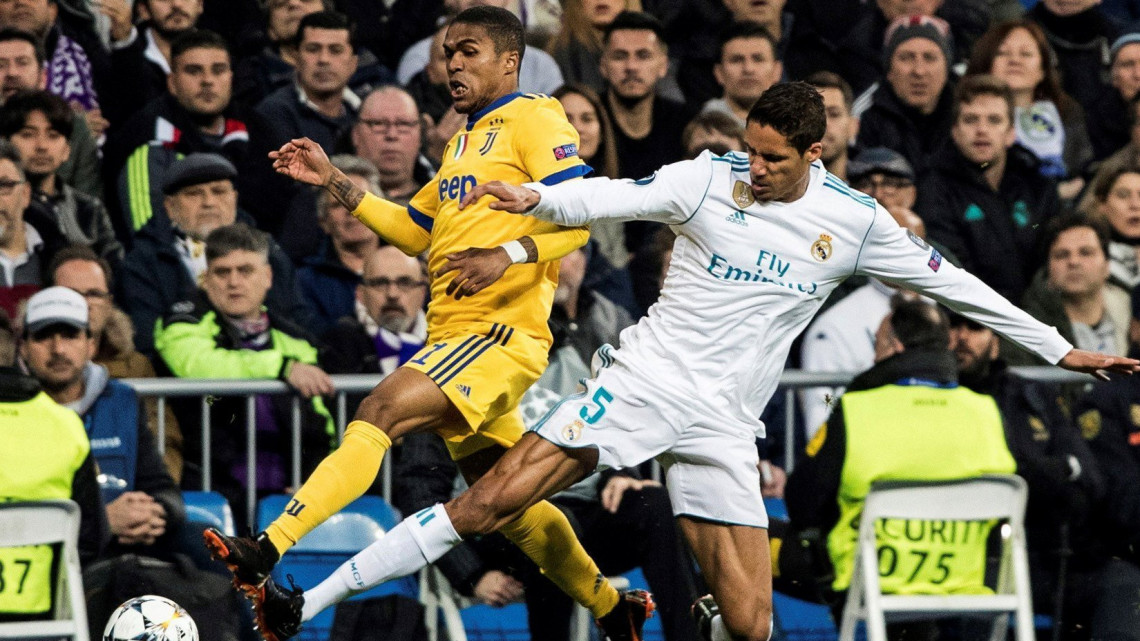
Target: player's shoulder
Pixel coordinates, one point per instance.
(528, 104)
(839, 200)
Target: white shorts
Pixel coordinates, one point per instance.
(710, 471)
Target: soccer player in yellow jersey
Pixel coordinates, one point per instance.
(494, 276)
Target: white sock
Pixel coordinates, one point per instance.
(419, 540)
(717, 631)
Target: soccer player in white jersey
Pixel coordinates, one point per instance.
(763, 238)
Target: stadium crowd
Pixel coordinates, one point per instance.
(143, 232)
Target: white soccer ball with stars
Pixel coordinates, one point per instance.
(150, 618)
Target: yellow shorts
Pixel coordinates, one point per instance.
(484, 374)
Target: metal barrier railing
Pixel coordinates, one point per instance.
(345, 384)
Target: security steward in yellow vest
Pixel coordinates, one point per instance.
(44, 454)
(904, 419)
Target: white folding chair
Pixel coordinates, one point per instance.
(48, 523)
(975, 499)
(441, 601)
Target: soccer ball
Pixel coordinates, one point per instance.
(150, 618)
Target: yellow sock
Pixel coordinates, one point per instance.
(544, 534)
(340, 479)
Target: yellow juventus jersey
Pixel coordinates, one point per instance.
(518, 138)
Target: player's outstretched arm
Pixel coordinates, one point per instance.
(479, 267)
(304, 161)
(1097, 364)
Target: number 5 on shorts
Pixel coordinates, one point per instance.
(601, 397)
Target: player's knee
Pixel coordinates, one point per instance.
(476, 512)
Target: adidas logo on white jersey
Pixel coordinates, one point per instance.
(737, 218)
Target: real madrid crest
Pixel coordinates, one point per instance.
(821, 249)
(572, 431)
(742, 194)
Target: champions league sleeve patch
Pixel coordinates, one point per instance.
(935, 260)
(563, 152)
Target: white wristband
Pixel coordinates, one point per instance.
(516, 251)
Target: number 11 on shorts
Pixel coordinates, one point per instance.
(601, 397)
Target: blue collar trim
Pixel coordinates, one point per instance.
(926, 382)
(475, 117)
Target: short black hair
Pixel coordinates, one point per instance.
(14, 115)
(9, 34)
(746, 29)
(832, 80)
(973, 87)
(503, 27)
(1073, 220)
(196, 39)
(333, 20)
(223, 241)
(634, 21)
(795, 110)
(84, 253)
(919, 325)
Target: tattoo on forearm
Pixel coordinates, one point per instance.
(531, 249)
(345, 191)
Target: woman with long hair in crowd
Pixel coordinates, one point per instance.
(1049, 122)
(1114, 196)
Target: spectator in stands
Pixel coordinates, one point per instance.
(747, 66)
(259, 74)
(859, 50)
(905, 418)
(142, 56)
(647, 127)
(984, 198)
(394, 27)
(230, 333)
(1110, 427)
(329, 278)
(1110, 115)
(1072, 291)
(77, 66)
(1114, 197)
(168, 259)
(1048, 121)
(79, 268)
(580, 318)
(1065, 482)
(1127, 156)
(715, 131)
(886, 176)
(578, 45)
(597, 148)
(28, 239)
(1081, 34)
(144, 506)
(22, 61)
(912, 111)
(842, 126)
(320, 105)
(388, 134)
(429, 86)
(387, 324)
(39, 124)
(31, 472)
(539, 72)
(194, 116)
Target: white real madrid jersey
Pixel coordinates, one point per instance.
(747, 277)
